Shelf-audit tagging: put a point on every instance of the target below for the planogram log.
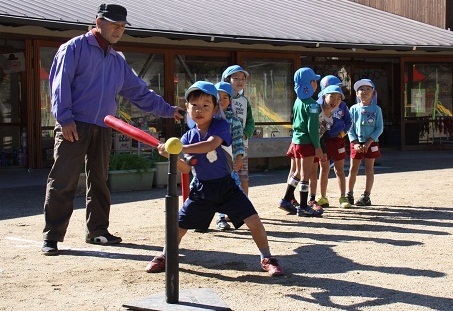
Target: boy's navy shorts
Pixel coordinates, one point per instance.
(214, 196)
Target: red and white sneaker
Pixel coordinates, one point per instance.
(156, 265)
(272, 266)
(314, 205)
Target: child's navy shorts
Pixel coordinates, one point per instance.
(214, 196)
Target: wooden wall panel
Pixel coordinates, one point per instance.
(431, 12)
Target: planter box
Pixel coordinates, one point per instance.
(161, 174)
(127, 180)
(130, 180)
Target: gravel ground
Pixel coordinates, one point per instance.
(395, 255)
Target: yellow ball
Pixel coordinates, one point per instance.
(173, 145)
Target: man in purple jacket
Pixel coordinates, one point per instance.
(86, 76)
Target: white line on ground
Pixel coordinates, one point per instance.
(96, 251)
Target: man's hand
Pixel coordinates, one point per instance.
(70, 132)
(179, 113)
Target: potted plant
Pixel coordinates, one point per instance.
(161, 169)
(129, 171)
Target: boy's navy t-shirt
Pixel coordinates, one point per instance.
(211, 165)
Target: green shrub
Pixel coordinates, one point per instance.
(130, 161)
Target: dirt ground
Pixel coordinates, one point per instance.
(395, 255)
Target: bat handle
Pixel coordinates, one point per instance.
(191, 160)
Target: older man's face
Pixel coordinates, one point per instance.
(111, 31)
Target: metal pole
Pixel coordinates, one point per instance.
(171, 236)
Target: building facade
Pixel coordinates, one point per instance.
(414, 81)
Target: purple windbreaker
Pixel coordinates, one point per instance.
(84, 83)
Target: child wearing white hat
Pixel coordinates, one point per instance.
(367, 126)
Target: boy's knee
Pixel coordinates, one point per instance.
(253, 221)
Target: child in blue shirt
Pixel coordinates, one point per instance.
(367, 126)
(237, 150)
(335, 146)
(214, 190)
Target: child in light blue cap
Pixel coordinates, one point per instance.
(305, 144)
(335, 147)
(237, 77)
(236, 149)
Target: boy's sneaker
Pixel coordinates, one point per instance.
(313, 209)
(288, 207)
(105, 239)
(344, 202)
(49, 248)
(222, 224)
(350, 197)
(272, 266)
(324, 202)
(364, 200)
(156, 265)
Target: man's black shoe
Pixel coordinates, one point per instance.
(49, 248)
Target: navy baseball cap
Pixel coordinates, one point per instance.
(113, 13)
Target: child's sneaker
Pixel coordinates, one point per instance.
(222, 224)
(324, 202)
(295, 203)
(156, 265)
(314, 205)
(364, 200)
(287, 207)
(344, 202)
(272, 266)
(312, 210)
(350, 197)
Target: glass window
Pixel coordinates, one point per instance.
(271, 93)
(46, 57)
(149, 67)
(191, 68)
(47, 119)
(12, 103)
(428, 90)
(428, 109)
(342, 71)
